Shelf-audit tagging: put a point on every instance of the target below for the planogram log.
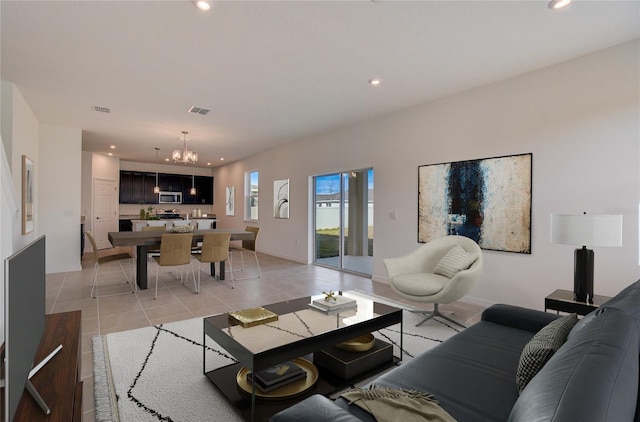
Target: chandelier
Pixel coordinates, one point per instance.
(184, 156)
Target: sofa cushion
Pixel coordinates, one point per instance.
(316, 407)
(471, 375)
(454, 261)
(628, 301)
(541, 347)
(592, 377)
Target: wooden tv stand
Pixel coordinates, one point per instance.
(58, 382)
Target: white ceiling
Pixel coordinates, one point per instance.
(274, 72)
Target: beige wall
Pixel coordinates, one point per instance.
(580, 119)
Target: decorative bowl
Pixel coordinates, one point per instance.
(358, 344)
(181, 229)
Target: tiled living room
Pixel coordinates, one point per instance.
(281, 280)
(294, 92)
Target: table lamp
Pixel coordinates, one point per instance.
(586, 230)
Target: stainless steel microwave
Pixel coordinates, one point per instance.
(170, 198)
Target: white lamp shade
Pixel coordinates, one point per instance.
(586, 229)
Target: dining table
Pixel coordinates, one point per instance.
(142, 240)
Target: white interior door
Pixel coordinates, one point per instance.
(105, 211)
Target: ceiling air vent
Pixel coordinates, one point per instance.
(101, 109)
(198, 110)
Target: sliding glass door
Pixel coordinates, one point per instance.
(343, 218)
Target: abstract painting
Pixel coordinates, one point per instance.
(281, 198)
(230, 199)
(487, 200)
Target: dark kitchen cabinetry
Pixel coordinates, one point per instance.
(137, 187)
(170, 182)
(125, 225)
(204, 190)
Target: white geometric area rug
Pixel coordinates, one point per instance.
(155, 373)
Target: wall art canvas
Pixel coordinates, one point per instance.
(281, 198)
(230, 200)
(27, 194)
(487, 200)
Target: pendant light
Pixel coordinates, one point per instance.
(193, 178)
(156, 188)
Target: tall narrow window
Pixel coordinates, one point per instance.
(251, 195)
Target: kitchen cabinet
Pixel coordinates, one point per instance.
(125, 225)
(170, 182)
(137, 187)
(204, 190)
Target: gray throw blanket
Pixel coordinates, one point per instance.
(390, 404)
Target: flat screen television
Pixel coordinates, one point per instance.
(24, 319)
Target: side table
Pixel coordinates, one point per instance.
(562, 301)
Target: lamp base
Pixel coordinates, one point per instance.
(583, 275)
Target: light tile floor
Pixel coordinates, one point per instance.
(281, 280)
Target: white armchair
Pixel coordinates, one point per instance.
(419, 277)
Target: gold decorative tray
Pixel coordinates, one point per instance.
(251, 317)
(359, 344)
(286, 391)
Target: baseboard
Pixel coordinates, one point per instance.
(476, 301)
(288, 258)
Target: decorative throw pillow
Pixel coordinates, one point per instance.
(454, 261)
(541, 347)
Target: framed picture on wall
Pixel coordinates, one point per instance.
(487, 200)
(28, 181)
(281, 198)
(230, 200)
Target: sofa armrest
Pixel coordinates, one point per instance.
(517, 317)
(314, 408)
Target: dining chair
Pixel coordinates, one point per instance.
(153, 249)
(103, 256)
(175, 251)
(215, 248)
(248, 246)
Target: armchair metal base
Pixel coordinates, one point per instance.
(436, 313)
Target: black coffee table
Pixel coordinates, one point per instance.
(299, 332)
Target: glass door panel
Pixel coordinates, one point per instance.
(343, 216)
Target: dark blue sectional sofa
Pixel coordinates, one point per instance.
(592, 377)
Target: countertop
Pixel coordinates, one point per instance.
(183, 216)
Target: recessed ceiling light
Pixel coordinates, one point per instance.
(221, 158)
(558, 4)
(202, 5)
(110, 154)
(166, 159)
(374, 82)
(208, 164)
(112, 146)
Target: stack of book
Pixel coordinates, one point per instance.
(334, 305)
(277, 376)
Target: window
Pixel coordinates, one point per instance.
(251, 195)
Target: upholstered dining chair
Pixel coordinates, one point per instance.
(248, 246)
(175, 251)
(215, 248)
(440, 271)
(153, 249)
(110, 255)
